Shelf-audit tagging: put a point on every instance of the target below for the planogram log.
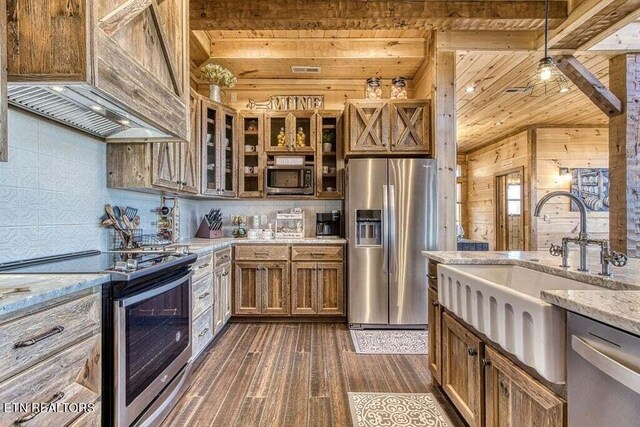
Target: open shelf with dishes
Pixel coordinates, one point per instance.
(251, 167)
(330, 164)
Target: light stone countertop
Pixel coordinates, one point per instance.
(42, 288)
(203, 246)
(617, 304)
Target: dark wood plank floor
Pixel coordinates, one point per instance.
(284, 374)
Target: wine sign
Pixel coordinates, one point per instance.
(289, 102)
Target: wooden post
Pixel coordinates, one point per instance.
(443, 98)
(624, 161)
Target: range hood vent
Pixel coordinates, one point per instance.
(300, 69)
(84, 108)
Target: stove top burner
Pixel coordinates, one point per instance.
(123, 265)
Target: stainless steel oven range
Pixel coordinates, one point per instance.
(146, 327)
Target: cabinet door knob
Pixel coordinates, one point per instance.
(472, 352)
(486, 362)
(435, 303)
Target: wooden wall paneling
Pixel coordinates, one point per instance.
(532, 188)
(482, 165)
(572, 148)
(4, 144)
(624, 164)
(444, 136)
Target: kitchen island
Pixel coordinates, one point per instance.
(490, 307)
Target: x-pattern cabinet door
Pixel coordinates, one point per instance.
(368, 125)
(166, 165)
(410, 126)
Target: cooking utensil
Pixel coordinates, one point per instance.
(130, 212)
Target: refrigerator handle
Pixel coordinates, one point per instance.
(385, 229)
(392, 228)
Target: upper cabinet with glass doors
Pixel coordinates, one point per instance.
(290, 131)
(219, 150)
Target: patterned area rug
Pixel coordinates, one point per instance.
(396, 409)
(389, 342)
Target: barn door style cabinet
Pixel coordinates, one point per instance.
(388, 127)
(130, 58)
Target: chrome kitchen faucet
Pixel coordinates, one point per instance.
(607, 256)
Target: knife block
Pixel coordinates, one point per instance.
(205, 233)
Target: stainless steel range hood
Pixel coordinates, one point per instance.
(85, 108)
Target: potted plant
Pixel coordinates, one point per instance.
(218, 77)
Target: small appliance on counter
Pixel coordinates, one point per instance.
(329, 225)
(290, 225)
(211, 225)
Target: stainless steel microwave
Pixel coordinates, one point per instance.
(289, 180)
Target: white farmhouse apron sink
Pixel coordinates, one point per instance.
(503, 302)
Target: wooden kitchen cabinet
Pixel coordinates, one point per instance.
(290, 122)
(462, 371)
(410, 126)
(304, 288)
(218, 300)
(329, 160)
(388, 127)
(190, 152)
(227, 287)
(247, 288)
(515, 399)
(317, 288)
(275, 288)
(166, 166)
(368, 126)
(251, 134)
(218, 149)
(435, 335)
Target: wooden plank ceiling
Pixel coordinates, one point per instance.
(489, 113)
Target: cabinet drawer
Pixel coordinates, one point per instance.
(255, 253)
(317, 253)
(202, 330)
(31, 339)
(202, 295)
(222, 257)
(71, 376)
(90, 419)
(203, 266)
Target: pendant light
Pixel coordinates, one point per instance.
(548, 79)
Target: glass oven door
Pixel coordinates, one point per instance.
(153, 343)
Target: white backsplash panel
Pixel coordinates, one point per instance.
(54, 188)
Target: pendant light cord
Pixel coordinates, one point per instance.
(546, 28)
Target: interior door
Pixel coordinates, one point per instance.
(368, 244)
(413, 229)
(509, 207)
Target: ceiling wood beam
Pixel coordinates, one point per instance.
(373, 14)
(617, 26)
(199, 47)
(591, 22)
(487, 41)
(589, 84)
(625, 40)
(318, 48)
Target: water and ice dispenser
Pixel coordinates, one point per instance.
(369, 227)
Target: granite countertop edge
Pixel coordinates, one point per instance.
(203, 246)
(48, 287)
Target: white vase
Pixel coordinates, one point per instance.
(215, 93)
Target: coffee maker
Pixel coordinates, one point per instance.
(329, 225)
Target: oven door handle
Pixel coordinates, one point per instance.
(155, 291)
(614, 369)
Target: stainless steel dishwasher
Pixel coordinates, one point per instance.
(603, 380)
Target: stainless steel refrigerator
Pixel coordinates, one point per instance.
(392, 218)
